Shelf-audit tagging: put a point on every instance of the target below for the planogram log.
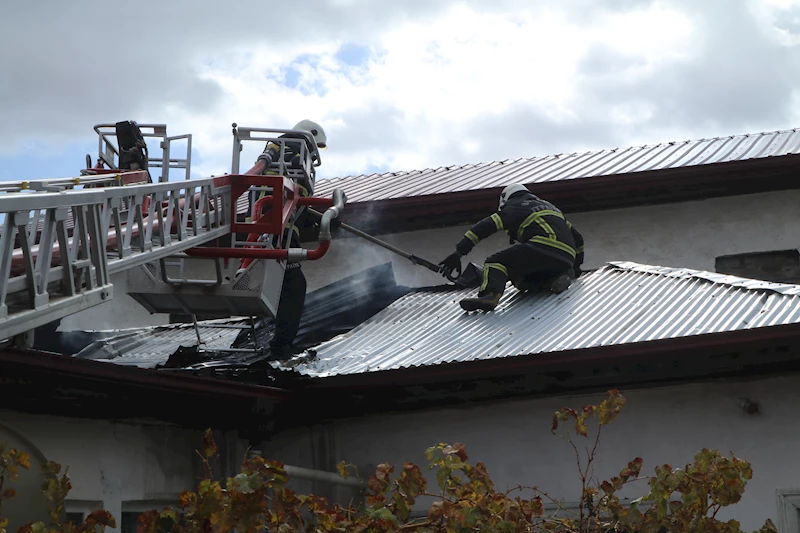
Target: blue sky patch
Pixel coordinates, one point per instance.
(354, 55)
(292, 76)
(36, 162)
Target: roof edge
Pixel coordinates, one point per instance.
(146, 378)
(708, 343)
(613, 191)
(786, 289)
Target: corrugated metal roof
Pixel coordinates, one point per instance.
(150, 347)
(620, 303)
(328, 311)
(389, 185)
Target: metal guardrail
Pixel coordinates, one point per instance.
(49, 274)
(108, 150)
(62, 239)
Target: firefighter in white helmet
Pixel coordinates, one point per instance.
(548, 250)
(293, 291)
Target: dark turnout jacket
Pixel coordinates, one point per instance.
(529, 219)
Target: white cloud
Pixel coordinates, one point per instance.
(430, 82)
(778, 19)
(442, 74)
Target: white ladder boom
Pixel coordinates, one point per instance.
(59, 249)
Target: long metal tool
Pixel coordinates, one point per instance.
(469, 278)
(383, 244)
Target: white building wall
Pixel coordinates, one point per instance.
(664, 425)
(118, 466)
(687, 234)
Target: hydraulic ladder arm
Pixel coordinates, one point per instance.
(63, 239)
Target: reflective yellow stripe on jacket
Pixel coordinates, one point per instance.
(498, 222)
(550, 239)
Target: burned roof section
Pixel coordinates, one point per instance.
(238, 342)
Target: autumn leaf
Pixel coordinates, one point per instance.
(255, 499)
(436, 511)
(580, 426)
(460, 450)
(561, 416)
(610, 407)
(533, 508)
(148, 522)
(95, 519)
(768, 527)
(187, 499)
(20, 458)
(341, 468)
(383, 471)
(411, 481)
(209, 446)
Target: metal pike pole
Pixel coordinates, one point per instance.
(470, 277)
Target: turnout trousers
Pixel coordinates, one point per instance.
(526, 263)
(290, 308)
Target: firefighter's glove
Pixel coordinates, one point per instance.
(451, 263)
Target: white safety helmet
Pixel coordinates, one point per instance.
(315, 130)
(509, 191)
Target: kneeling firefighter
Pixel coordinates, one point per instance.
(549, 250)
(293, 291)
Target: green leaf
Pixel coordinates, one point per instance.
(382, 513)
(401, 507)
(341, 467)
(430, 453)
(634, 505)
(245, 484)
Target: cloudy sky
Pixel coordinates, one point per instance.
(397, 85)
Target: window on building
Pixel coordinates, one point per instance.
(131, 510)
(130, 522)
(789, 511)
(781, 266)
(78, 510)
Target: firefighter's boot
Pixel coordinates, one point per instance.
(562, 282)
(486, 302)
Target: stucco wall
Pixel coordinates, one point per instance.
(688, 234)
(120, 466)
(665, 425)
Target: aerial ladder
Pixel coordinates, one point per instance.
(187, 246)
